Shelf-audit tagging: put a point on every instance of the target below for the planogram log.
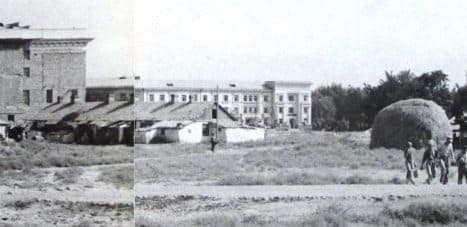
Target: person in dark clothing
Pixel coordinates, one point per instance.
(428, 161)
(462, 166)
(214, 142)
(445, 154)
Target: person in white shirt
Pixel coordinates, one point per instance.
(445, 155)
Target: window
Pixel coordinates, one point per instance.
(49, 96)
(226, 98)
(255, 98)
(250, 98)
(236, 110)
(205, 130)
(305, 98)
(195, 98)
(183, 98)
(245, 98)
(11, 117)
(281, 98)
(250, 109)
(26, 72)
(281, 110)
(265, 110)
(255, 110)
(26, 97)
(205, 98)
(236, 98)
(27, 54)
(266, 98)
(281, 121)
(122, 96)
(162, 98)
(215, 98)
(305, 110)
(291, 110)
(291, 98)
(244, 110)
(151, 97)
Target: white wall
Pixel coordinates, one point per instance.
(3, 131)
(192, 133)
(236, 135)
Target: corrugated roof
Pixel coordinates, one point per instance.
(170, 111)
(89, 111)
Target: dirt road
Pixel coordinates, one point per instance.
(315, 191)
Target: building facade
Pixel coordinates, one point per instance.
(272, 103)
(45, 65)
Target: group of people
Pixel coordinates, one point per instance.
(436, 156)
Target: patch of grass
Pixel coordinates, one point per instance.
(118, 176)
(29, 154)
(300, 178)
(68, 176)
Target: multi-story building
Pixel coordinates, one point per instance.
(272, 103)
(45, 65)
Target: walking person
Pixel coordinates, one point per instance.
(445, 155)
(409, 163)
(428, 161)
(461, 164)
(214, 142)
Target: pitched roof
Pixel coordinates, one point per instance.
(170, 111)
(88, 111)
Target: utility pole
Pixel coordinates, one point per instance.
(217, 113)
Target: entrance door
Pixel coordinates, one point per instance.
(292, 123)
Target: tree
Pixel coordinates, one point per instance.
(459, 104)
(323, 112)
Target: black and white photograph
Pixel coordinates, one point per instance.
(300, 113)
(230, 113)
(66, 113)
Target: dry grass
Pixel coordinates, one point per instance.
(68, 175)
(29, 154)
(269, 161)
(118, 176)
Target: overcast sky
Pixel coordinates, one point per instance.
(351, 42)
(108, 21)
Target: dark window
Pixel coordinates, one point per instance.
(26, 72)
(26, 99)
(291, 98)
(281, 109)
(214, 113)
(215, 98)
(265, 110)
(236, 110)
(183, 98)
(11, 117)
(291, 110)
(250, 98)
(122, 96)
(281, 98)
(27, 54)
(305, 98)
(245, 98)
(255, 98)
(244, 110)
(49, 96)
(205, 130)
(236, 98)
(305, 110)
(205, 98)
(162, 97)
(226, 98)
(151, 98)
(266, 98)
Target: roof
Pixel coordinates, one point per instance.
(19, 33)
(163, 111)
(170, 111)
(110, 82)
(88, 111)
(202, 84)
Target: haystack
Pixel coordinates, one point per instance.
(415, 120)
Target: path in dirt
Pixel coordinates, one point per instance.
(316, 191)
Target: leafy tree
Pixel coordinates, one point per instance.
(323, 112)
(459, 102)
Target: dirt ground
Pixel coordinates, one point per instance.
(80, 194)
(290, 179)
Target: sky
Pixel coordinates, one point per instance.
(110, 22)
(348, 42)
